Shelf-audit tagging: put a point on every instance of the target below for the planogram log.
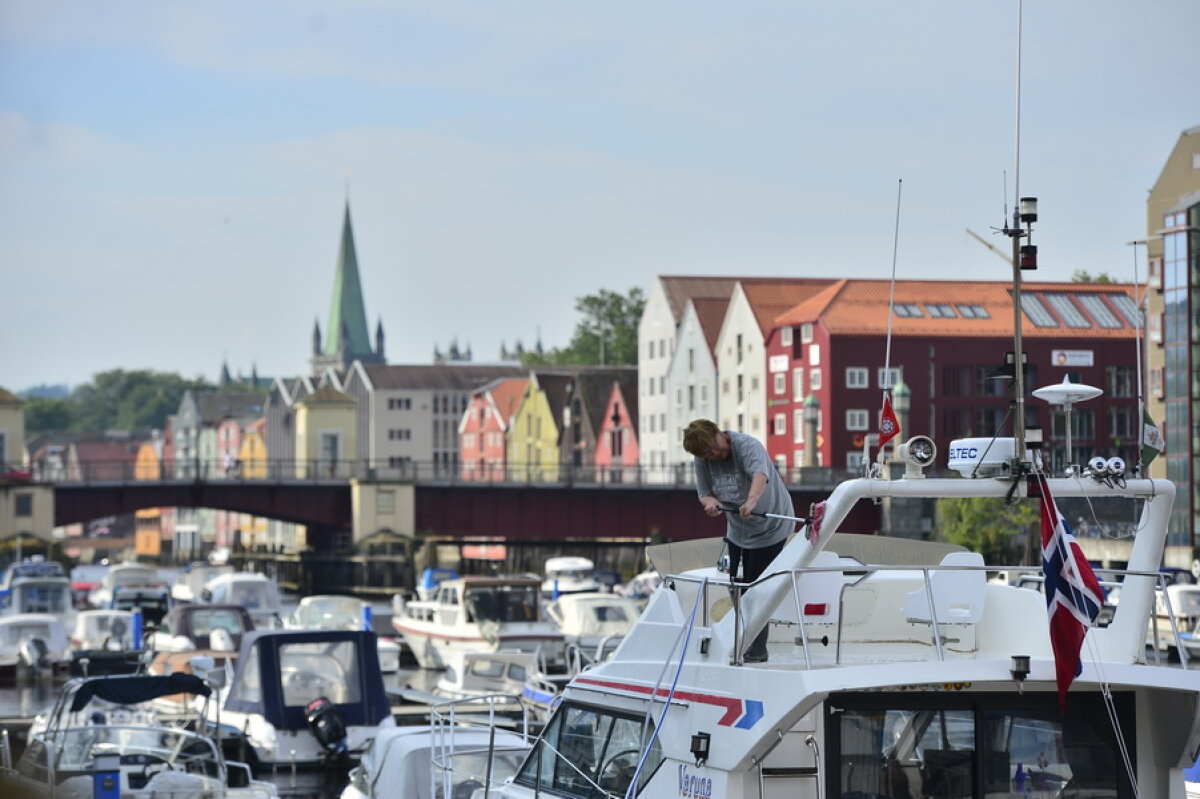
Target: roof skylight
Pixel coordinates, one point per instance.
(1094, 305)
(1037, 312)
(1067, 310)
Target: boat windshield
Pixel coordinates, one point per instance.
(42, 598)
(503, 602)
(589, 752)
(204, 621)
(320, 668)
(334, 613)
(172, 747)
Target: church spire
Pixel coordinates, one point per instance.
(346, 335)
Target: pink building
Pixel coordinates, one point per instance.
(617, 440)
(482, 433)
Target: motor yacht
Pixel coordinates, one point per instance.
(479, 614)
(192, 579)
(33, 646)
(257, 593)
(128, 574)
(895, 669)
(592, 623)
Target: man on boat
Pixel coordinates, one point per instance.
(734, 475)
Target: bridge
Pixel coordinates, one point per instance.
(510, 505)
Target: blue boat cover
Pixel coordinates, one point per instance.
(262, 693)
(134, 689)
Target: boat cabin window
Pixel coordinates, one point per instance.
(321, 668)
(950, 744)
(589, 752)
(504, 603)
(205, 621)
(44, 599)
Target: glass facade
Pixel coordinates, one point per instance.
(1181, 351)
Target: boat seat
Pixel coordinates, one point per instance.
(957, 594)
(820, 592)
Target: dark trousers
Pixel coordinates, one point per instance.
(754, 562)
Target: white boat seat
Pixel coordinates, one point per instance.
(820, 592)
(957, 594)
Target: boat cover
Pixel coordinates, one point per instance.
(131, 690)
(257, 684)
(399, 760)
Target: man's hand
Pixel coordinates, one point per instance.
(746, 510)
(711, 506)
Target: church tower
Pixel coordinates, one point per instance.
(346, 335)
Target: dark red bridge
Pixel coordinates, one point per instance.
(502, 511)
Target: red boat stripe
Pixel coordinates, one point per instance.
(733, 707)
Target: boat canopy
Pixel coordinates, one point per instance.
(281, 671)
(135, 689)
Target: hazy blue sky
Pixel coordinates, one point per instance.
(172, 174)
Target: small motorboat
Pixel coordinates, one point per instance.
(105, 642)
(97, 742)
(202, 627)
(336, 612)
(257, 593)
(308, 698)
(593, 624)
(428, 762)
(194, 577)
(569, 575)
(123, 574)
(33, 646)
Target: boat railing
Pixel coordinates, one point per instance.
(477, 713)
(821, 613)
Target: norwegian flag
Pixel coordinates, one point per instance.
(889, 425)
(1073, 594)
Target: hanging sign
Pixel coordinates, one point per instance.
(1072, 358)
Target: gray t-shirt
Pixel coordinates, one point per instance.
(729, 481)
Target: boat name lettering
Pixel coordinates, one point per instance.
(692, 785)
(957, 453)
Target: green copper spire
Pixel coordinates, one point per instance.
(347, 330)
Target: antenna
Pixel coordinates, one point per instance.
(1024, 256)
(887, 352)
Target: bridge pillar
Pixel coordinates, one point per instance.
(26, 508)
(383, 505)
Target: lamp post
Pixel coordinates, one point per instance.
(812, 418)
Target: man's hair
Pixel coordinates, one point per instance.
(699, 437)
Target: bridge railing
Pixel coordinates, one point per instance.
(290, 471)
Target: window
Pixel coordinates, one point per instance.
(814, 379)
(1067, 310)
(1094, 304)
(691, 398)
(785, 336)
(1127, 307)
(798, 426)
(400, 404)
(798, 384)
(679, 395)
(691, 359)
(857, 377)
(814, 354)
(725, 386)
(781, 382)
(754, 382)
(584, 747)
(385, 502)
(939, 311)
(649, 350)
(662, 348)
(739, 347)
(908, 310)
(854, 461)
(957, 380)
(781, 463)
(780, 424)
(662, 385)
(888, 377)
(1036, 311)
(1156, 382)
(1121, 381)
(798, 458)
(704, 392)
(23, 505)
(806, 332)
(972, 312)
(741, 391)
(754, 425)
(951, 746)
(1121, 421)
(857, 420)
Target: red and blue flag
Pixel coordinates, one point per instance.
(1073, 594)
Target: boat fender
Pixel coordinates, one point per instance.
(326, 725)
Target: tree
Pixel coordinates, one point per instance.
(113, 400)
(986, 525)
(607, 333)
(1082, 276)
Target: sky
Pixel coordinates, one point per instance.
(173, 175)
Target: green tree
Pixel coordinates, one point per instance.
(45, 414)
(113, 400)
(986, 525)
(606, 334)
(1083, 276)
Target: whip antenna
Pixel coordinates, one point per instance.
(885, 404)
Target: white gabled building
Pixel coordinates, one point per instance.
(741, 351)
(692, 375)
(657, 332)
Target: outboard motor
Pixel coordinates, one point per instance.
(33, 654)
(326, 725)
